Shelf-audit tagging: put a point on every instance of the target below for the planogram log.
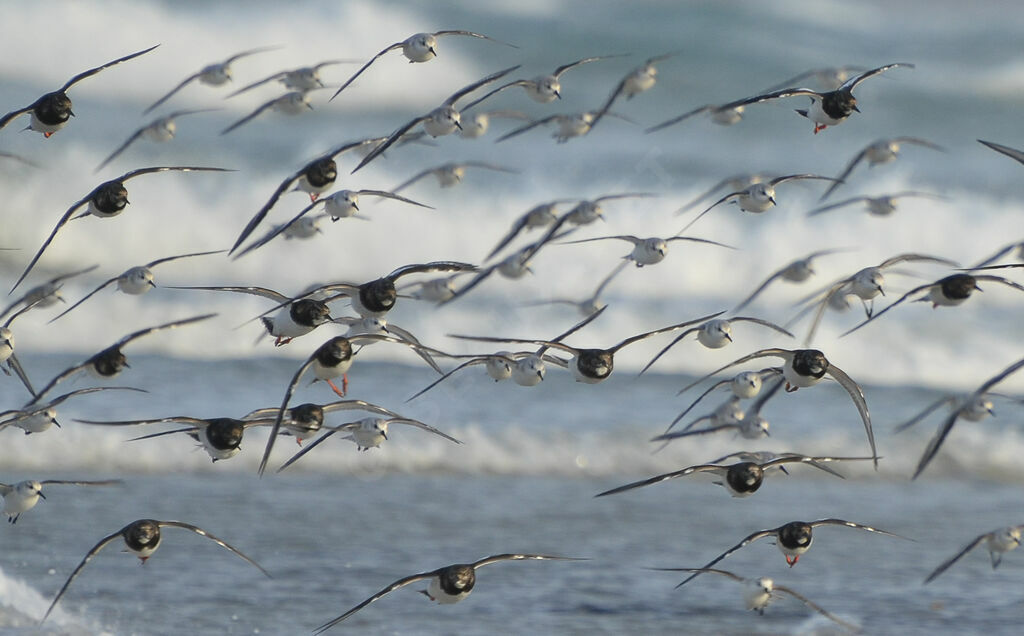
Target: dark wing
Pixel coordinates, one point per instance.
(471, 34)
(667, 347)
(663, 477)
(949, 399)
(404, 336)
(791, 177)
(917, 141)
(945, 564)
(947, 425)
(425, 427)
(85, 298)
(238, 56)
(358, 405)
(779, 94)
(408, 182)
(488, 166)
(247, 87)
(496, 558)
(220, 542)
(278, 230)
(390, 141)
(924, 258)
(851, 83)
(520, 82)
(254, 291)
(852, 524)
(734, 577)
(709, 208)
(103, 482)
(763, 323)
(676, 120)
(760, 534)
(761, 353)
(817, 462)
(84, 74)
(480, 360)
(183, 419)
(433, 266)
(695, 402)
(754, 294)
(284, 406)
(878, 314)
(174, 90)
(396, 45)
(138, 133)
(391, 588)
(999, 254)
(170, 325)
(1012, 153)
(688, 432)
(699, 240)
(841, 177)
(479, 278)
(307, 448)
(262, 212)
(517, 227)
(1000, 279)
(857, 395)
(57, 400)
(469, 88)
(63, 375)
(11, 116)
(168, 259)
(633, 339)
(391, 195)
(533, 124)
(833, 206)
(817, 608)
(60, 223)
(565, 67)
(141, 171)
(250, 116)
(92, 552)
(12, 362)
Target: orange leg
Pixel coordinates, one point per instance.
(792, 561)
(819, 127)
(47, 135)
(313, 196)
(344, 384)
(281, 340)
(790, 388)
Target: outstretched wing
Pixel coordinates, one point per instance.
(945, 564)
(857, 395)
(760, 534)
(92, 552)
(84, 74)
(222, 543)
(387, 590)
(663, 477)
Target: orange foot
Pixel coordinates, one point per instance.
(819, 127)
(313, 196)
(790, 388)
(792, 560)
(281, 340)
(47, 135)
